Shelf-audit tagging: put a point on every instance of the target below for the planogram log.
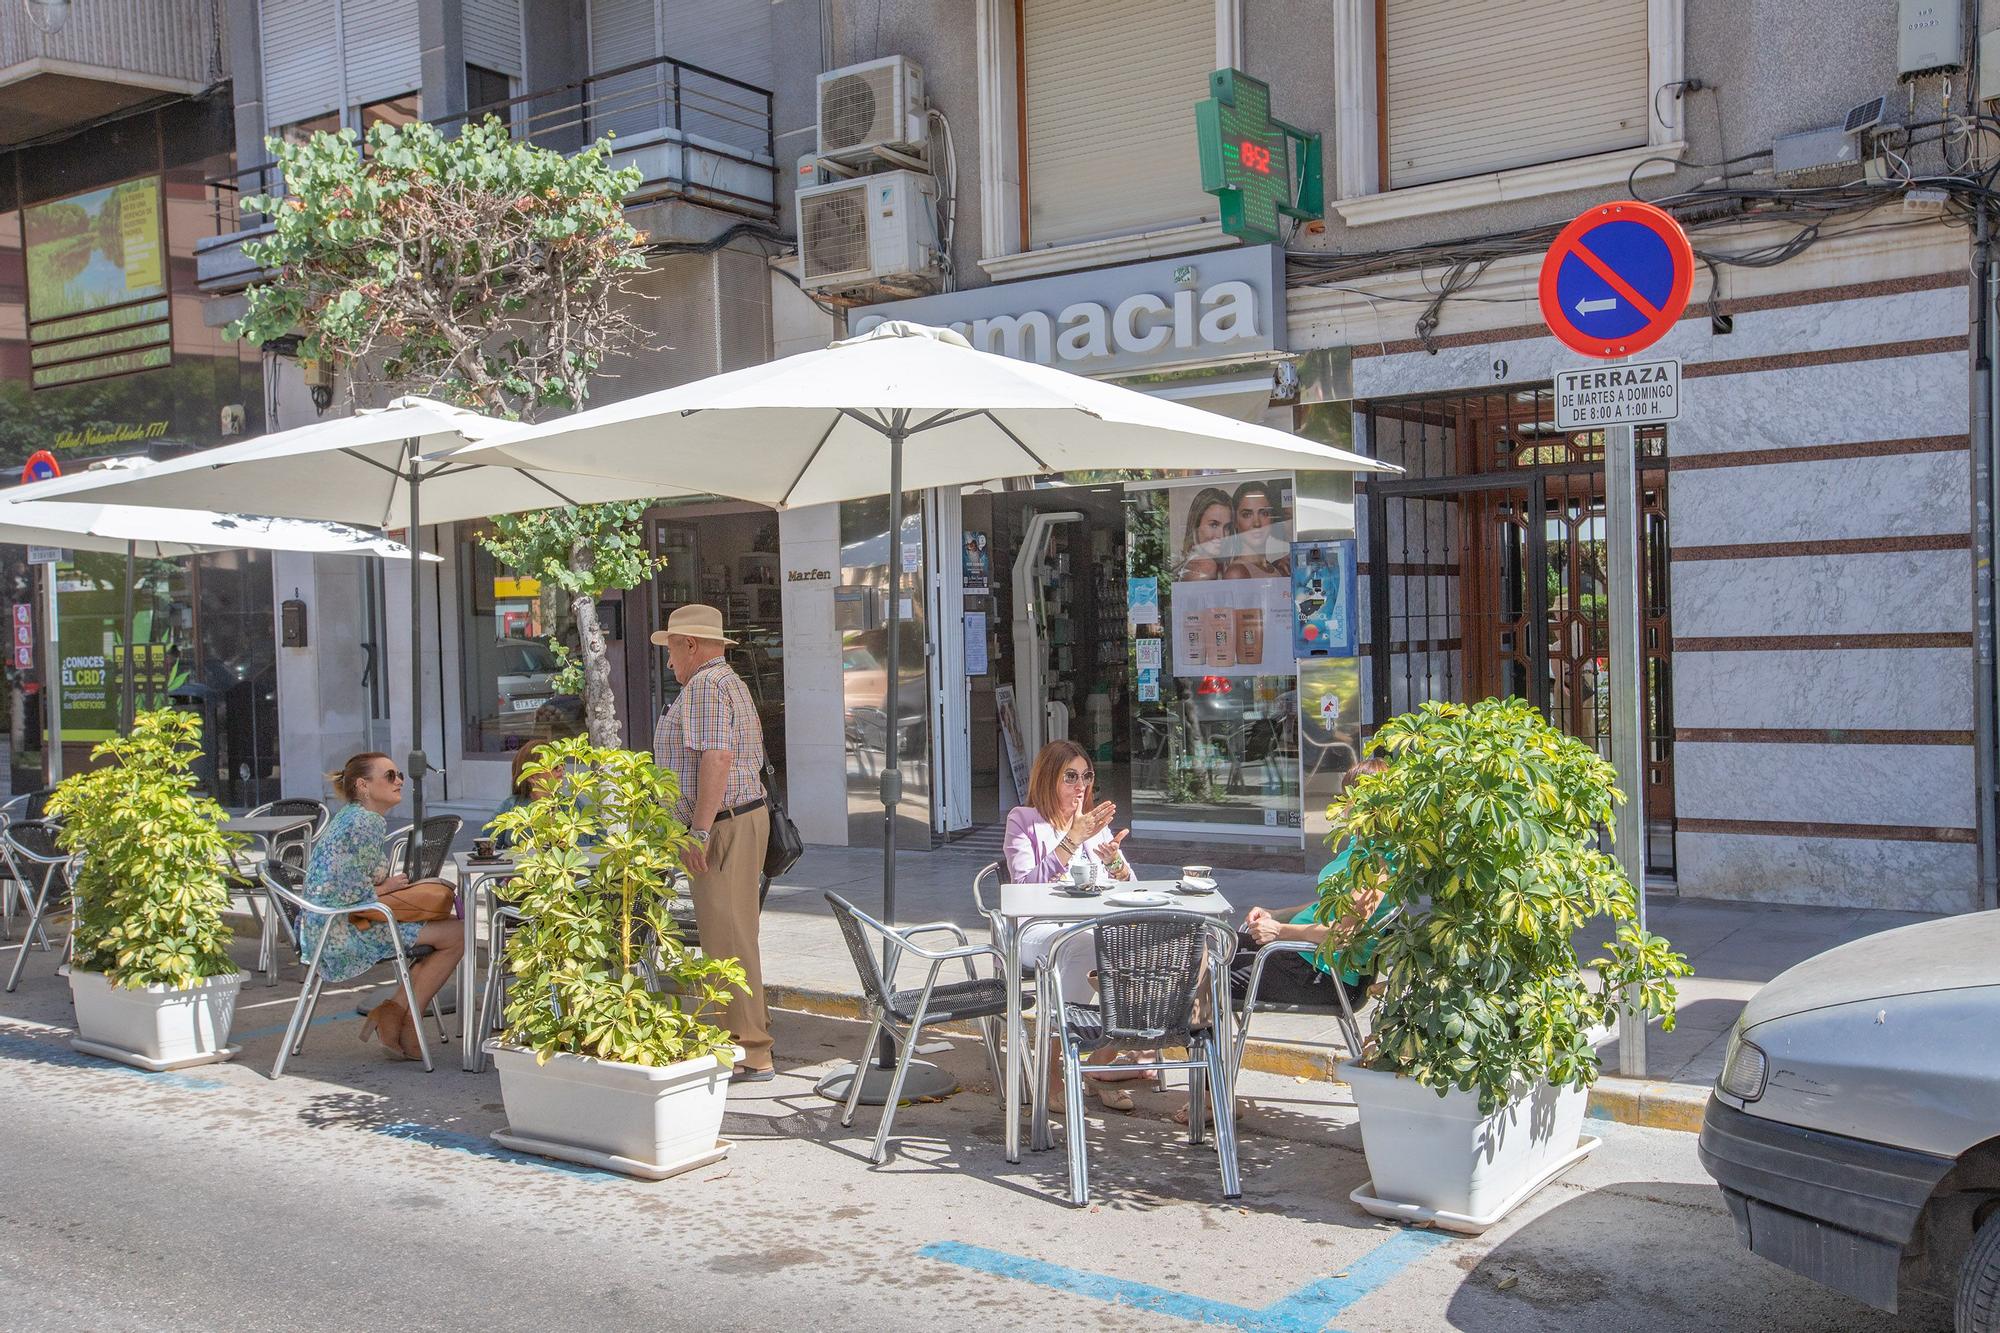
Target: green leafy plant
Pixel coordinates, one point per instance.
(151, 879)
(599, 967)
(482, 270)
(1483, 830)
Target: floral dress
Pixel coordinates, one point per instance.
(345, 860)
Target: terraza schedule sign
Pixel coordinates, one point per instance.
(1633, 393)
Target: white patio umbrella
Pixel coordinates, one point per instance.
(163, 534)
(369, 469)
(904, 406)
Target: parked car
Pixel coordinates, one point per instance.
(1855, 1129)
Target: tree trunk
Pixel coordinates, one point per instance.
(600, 710)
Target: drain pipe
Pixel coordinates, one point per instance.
(1985, 278)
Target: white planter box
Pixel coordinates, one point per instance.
(154, 1027)
(1437, 1159)
(635, 1119)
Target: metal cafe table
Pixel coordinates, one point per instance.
(1024, 905)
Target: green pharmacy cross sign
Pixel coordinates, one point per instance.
(1255, 166)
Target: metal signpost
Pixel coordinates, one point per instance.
(41, 466)
(1612, 284)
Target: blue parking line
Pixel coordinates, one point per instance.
(1307, 1310)
(14, 1046)
(478, 1145)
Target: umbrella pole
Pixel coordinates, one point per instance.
(416, 764)
(129, 713)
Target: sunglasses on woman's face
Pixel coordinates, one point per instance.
(1072, 778)
(388, 775)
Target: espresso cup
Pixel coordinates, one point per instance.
(483, 848)
(1197, 872)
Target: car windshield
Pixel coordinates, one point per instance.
(526, 658)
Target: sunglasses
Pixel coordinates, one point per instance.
(1072, 778)
(388, 775)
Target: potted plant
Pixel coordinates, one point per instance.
(150, 971)
(607, 1056)
(1483, 830)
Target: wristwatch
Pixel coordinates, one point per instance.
(700, 835)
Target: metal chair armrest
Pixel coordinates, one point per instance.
(956, 931)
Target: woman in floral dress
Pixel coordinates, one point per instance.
(350, 866)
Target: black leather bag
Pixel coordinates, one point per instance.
(785, 846)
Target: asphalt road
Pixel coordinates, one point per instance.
(359, 1193)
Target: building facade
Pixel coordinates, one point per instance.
(1817, 689)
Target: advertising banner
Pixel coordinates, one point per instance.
(97, 283)
(1230, 559)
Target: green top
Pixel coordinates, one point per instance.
(1309, 916)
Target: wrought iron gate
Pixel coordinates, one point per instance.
(1485, 571)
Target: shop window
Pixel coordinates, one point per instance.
(1215, 723)
(512, 627)
(406, 109)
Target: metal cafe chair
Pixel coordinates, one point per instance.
(1337, 1005)
(39, 866)
(905, 1013)
(286, 886)
(493, 990)
(440, 831)
(1150, 968)
(292, 848)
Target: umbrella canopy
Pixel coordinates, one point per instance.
(353, 469)
(821, 426)
(168, 534)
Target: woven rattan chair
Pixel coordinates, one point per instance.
(440, 831)
(1151, 967)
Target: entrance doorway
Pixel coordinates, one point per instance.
(1048, 595)
(1486, 572)
(725, 555)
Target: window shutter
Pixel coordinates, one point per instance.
(493, 35)
(301, 60)
(1484, 85)
(731, 37)
(1110, 93)
(622, 31)
(383, 49)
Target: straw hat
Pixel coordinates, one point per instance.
(693, 622)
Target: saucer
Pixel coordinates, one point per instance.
(1194, 887)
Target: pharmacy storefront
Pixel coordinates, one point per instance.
(1196, 634)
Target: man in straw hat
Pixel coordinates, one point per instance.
(710, 737)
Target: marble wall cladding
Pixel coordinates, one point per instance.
(1922, 786)
(1892, 399)
(1828, 872)
(1890, 593)
(1905, 495)
(1902, 689)
(1820, 326)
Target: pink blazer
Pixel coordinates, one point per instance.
(1030, 847)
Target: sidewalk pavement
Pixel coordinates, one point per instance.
(1734, 948)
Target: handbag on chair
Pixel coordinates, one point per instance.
(784, 847)
(414, 904)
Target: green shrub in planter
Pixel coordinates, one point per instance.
(579, 987)
(1483, 829)
(151, 885)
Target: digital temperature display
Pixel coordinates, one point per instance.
(1248, 162)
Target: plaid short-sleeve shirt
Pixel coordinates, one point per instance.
(714, 712)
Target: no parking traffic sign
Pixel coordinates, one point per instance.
(1615, 280)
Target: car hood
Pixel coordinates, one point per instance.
(1947, 954)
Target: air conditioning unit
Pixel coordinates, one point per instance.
(873, 111)
(872, 232)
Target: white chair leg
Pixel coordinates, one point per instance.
(909, 1044)
(411, 1007)
(295, 1031)
(1225, 1116)
(28, 934)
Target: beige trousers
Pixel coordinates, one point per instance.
(726, 915)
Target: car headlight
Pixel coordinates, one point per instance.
(1743, 1070)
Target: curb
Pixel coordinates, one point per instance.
(1652, 1105)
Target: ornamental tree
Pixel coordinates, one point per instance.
(477, 269)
